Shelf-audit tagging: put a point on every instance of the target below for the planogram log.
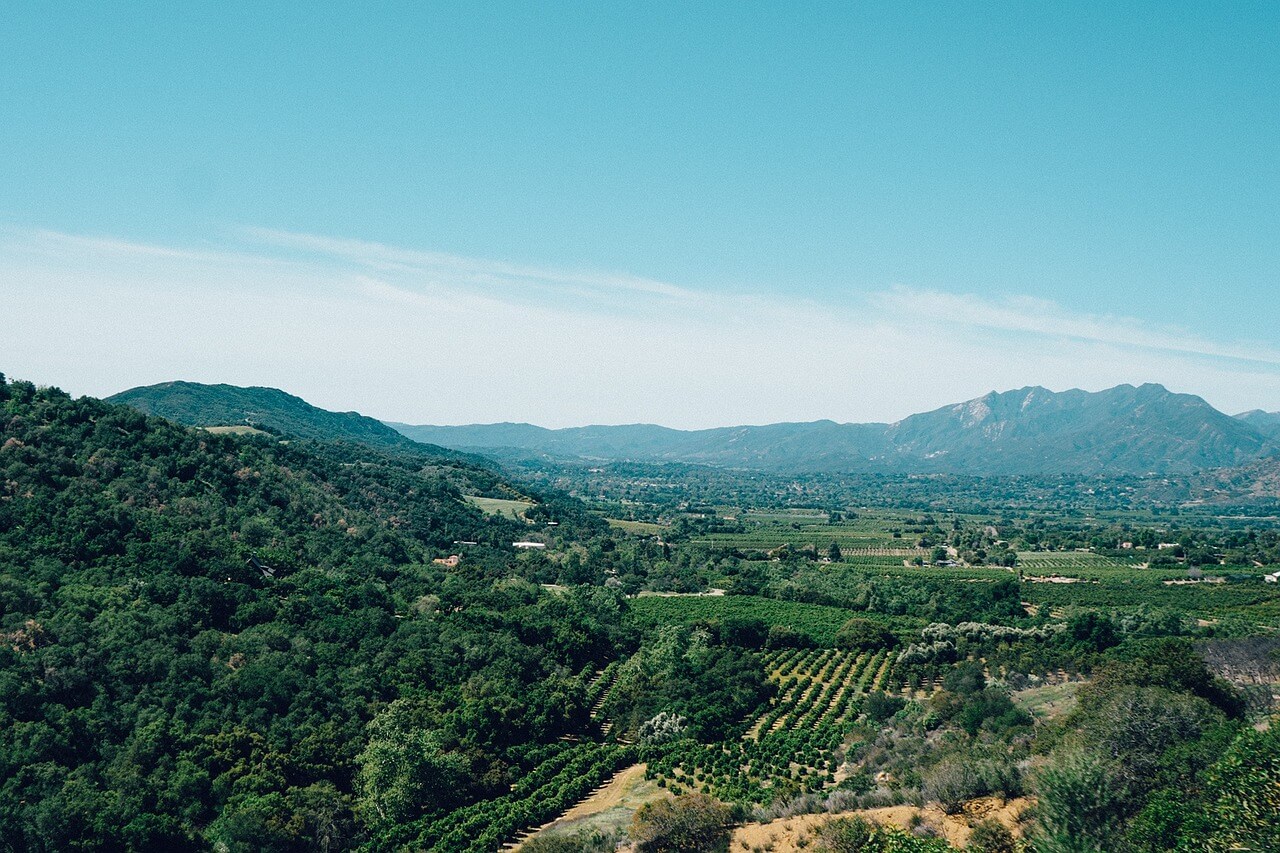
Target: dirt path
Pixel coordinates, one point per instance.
(610, 806)
(607, 797)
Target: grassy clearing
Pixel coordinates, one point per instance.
(498, 506)
(1048, 702)
(234, 430)
(641, 528)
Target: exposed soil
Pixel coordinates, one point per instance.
(782, 835)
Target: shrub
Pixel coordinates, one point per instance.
(880, 706)
(846, 835)
(864, 635)
(662, 728)
(787, 637)
(690, 822)
(553, 844)
(1082, 805)
(952, 782)
(581, 842)
(1246, 782)
(991, 836)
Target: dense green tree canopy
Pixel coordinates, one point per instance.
(239, 640)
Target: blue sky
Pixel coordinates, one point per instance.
(692, 214)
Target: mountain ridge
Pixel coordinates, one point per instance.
(1126, 429)
(1267, 423)
(199, 404)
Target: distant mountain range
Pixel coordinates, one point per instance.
(1126, 429)
(1032, 431)
(1267, 423)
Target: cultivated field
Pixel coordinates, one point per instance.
(794, 744)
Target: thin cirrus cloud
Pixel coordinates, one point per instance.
(431, 337)
(1046, 318)
(1016, 314)
(379, 257)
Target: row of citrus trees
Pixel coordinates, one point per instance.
(823, 688)
(555, 785)
(794, 746)
(793, 751)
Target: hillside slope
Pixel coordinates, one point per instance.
(215, 641)
(197, 404)
(1257, 482)
(1267, 423)
(1033, 430)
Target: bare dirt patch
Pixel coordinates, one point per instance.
(793, 834)
(612, 794)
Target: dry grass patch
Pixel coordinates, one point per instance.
(795, 834)
(234, 430)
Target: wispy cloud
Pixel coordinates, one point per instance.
(439, 266)
(432, 337)
(1048, 319)
(63, 245)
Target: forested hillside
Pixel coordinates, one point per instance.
(196, 404)
(244, 642)
(216, 640)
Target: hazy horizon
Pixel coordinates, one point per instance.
(589, 424)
